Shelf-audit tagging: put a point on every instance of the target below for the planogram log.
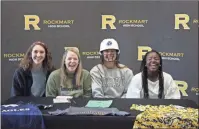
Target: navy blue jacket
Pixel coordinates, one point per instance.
(22, 82)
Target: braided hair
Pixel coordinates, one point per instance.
(143, 69)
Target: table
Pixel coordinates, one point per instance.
(95, 122)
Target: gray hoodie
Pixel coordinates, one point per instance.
(110, 83)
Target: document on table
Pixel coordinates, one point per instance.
(99, 103)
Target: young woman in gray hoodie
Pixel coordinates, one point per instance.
(110, 79)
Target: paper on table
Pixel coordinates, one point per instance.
(99, 103)
(56, 100)
(64, 97)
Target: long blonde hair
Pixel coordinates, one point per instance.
(78, 71)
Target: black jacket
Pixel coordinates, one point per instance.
(22, 82)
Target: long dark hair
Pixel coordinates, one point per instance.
(27, 62)
(143, 69)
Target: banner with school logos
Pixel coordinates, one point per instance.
(168, 27)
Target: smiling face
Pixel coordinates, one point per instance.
(38, 54)
(152, 62)
(109, 55)
(71, 61)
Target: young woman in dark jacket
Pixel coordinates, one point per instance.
(31, 76)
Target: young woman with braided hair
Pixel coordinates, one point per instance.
(152, 82)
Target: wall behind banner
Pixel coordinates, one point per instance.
(137, 26)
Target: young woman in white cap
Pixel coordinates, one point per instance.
(110, 79)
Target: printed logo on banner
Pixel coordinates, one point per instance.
(34, 20)
(142, 50)
(111, 22)
(195, 90)
(183, 86)
(91, 54)
(184, 21)
(31, 20)
(13, 56)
